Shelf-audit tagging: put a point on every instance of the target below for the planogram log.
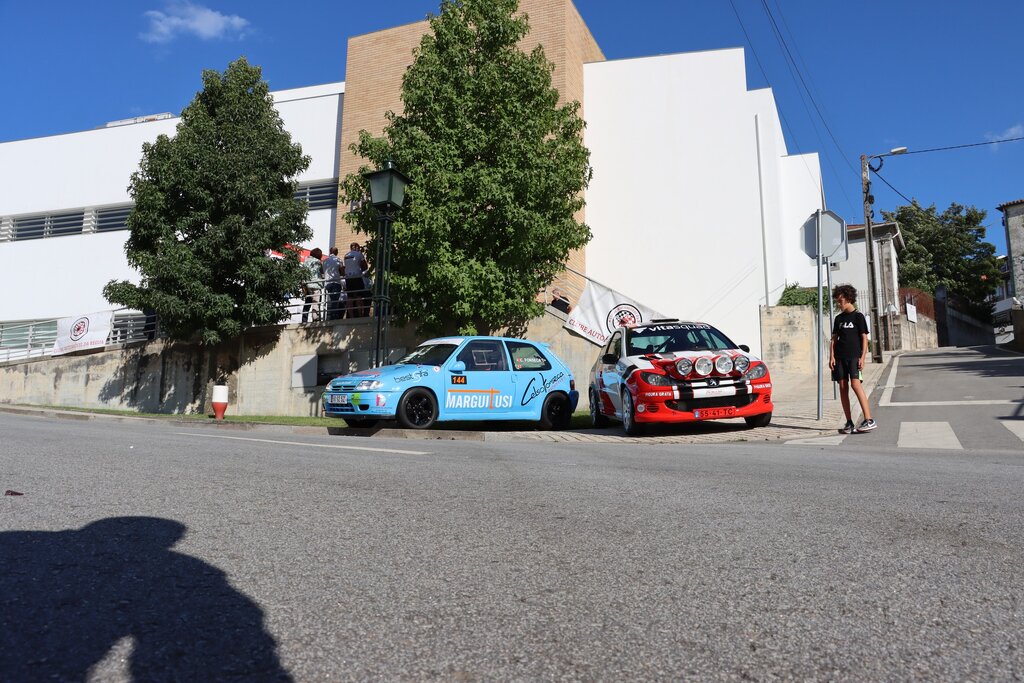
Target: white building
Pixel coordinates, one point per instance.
(65, 200)
(695, 205)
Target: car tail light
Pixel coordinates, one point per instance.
(572, 385)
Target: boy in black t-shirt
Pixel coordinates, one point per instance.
(846, 356)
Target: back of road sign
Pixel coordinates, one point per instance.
(833, 245)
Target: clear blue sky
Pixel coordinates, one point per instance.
(884, 73)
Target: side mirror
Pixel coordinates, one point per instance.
(609, 359)
(458, 366)
(744, 348)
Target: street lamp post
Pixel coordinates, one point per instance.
(865, 183)
(387, 193)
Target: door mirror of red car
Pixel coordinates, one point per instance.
(744, 348)
(609, 359)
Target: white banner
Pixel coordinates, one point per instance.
(82, 332)
(602, 310)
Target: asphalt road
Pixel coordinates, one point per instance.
(175, 554)
(968, 398)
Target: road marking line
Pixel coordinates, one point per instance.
(306, 443)
(819, 441)
(890, 384)
(938, 435)
(993, 402)
(1015, 426)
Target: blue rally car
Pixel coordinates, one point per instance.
(459, 378)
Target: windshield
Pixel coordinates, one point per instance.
(428, 354)
(676, 337)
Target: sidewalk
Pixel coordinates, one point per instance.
(796, 410)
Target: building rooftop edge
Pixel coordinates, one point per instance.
(675, 54)
(340, 90)
(1015, 202)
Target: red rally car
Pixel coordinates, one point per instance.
(669, 370)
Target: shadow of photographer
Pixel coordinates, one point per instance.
(67, 597)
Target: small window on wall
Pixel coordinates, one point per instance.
(66, 224)
(526, 357)
(114, 218)
(30, 228)
(51, 225)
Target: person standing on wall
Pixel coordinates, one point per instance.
(356, 268)
(332, 284)
(847, 353)
(313, 285)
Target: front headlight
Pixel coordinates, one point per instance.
(684, 366)
(741, 363)
(656, 379)
(723, 364)
(369, 384)
(703, 366)
(757, 372)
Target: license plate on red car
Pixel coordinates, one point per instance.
(714, 413)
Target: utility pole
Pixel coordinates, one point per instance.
(865, 182)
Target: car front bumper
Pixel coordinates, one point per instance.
(656, 406)
(378, 405)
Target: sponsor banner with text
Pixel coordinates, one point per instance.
(82, 332)
(602, 310)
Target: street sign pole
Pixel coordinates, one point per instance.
(817, 262)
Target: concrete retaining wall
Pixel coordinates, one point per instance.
(270, 371)
(787, 340)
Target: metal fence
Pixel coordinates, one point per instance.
(320, 301)
(32, 339)
(327, 300)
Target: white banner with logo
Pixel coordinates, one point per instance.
(82, 332)
(602, 310)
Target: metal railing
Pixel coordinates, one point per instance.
(24, 340)
(328, 301)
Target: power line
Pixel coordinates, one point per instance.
(793, 68)
(785, 123)
(879, 176)
(973, 144)
(810, 96)
(943, 149)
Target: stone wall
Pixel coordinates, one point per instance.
(1017, 317)
(787, 340)
(270, 371)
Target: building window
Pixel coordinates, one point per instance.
(114, 218)
(65, 224)
(29, 228)
(49, 225)
(320, 195)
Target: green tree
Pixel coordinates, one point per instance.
(498, 171)
(209, 203)
(947, 249)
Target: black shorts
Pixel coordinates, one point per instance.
(846, 368)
